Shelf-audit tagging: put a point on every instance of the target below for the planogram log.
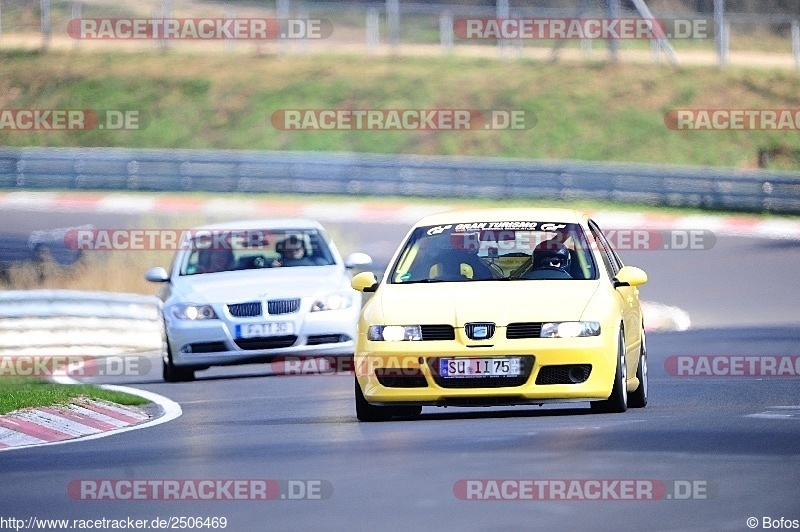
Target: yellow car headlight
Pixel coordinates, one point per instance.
(570, 329)
(394, 333)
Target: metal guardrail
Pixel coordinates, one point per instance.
(76, 303)
(398, 175)
(76, 322)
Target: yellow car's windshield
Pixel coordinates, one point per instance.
(488, 251)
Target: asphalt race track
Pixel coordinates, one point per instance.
(710, 451)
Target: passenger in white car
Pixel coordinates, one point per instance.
(214, 260)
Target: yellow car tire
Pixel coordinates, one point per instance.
(638, 398)
(370, 413)
(617, 402)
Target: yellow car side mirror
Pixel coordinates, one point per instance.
(630, 276)
(365, 282)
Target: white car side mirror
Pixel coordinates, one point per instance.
(357, 260)
(157, 275)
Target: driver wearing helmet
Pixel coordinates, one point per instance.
(551, 260)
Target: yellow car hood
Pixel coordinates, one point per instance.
(500, 302)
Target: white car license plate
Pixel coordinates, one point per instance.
(271, 328)
(479, 367)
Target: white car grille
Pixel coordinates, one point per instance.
(245, 310)
(283, 306)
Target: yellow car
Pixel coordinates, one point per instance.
(501, 307)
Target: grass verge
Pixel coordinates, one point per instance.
(18, 392)
(588, 111)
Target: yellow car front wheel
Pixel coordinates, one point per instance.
(638, 398)
(369, 412)
(618, 400)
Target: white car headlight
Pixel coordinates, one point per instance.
(394, 333)
(332, 302)
(570, 329)
(194, 312)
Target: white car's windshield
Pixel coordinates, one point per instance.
(215, 251)
(485, 251)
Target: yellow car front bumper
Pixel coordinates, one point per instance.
(416, 360)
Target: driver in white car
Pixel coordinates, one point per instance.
(293, 253)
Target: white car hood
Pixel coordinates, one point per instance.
(252, 285)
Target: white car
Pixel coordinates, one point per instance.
(243, 292)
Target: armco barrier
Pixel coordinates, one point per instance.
(76, 322)
(399, 175)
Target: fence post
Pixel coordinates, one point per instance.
(155, 42)
(446, 31)
(373, 30)
(283, 14)
(304, 15)
(612, 9)
(726, 39)
(76, 14)
(393, 22)
(230, 44)
(501, 12)
(719, 26)
(166, 13)
(796, 43)
(517, 45)
(44, 22)
(586, 44)
(586, 48)
(655, 49)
